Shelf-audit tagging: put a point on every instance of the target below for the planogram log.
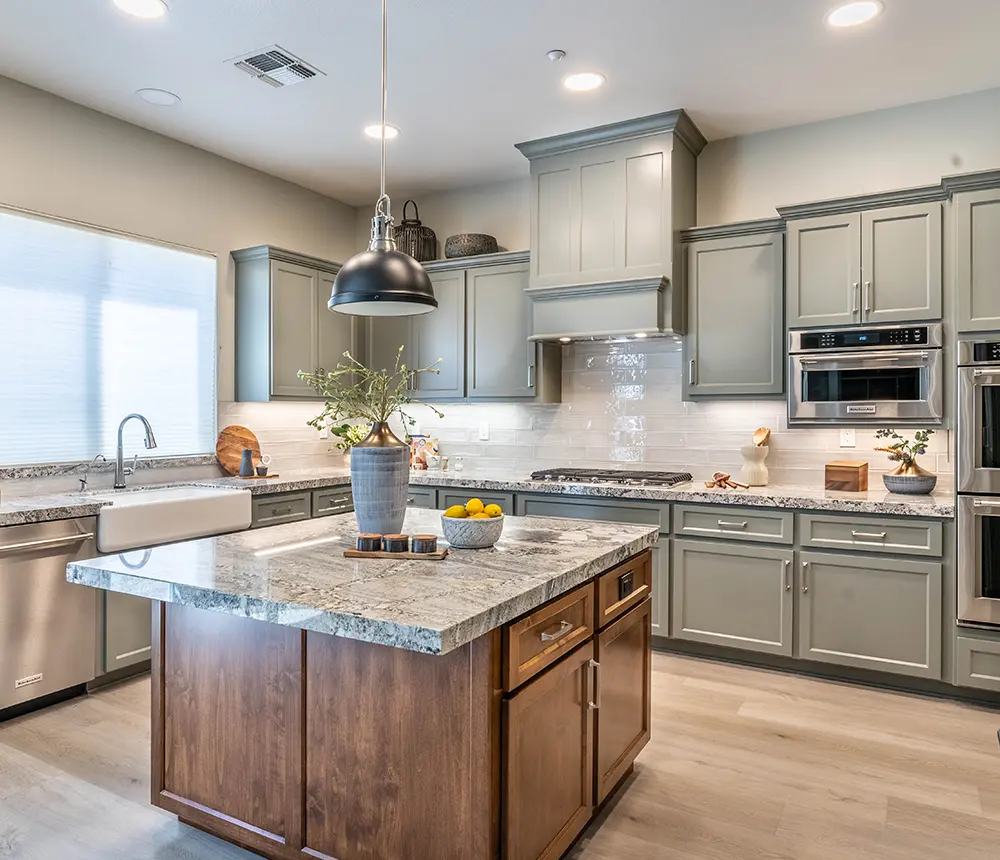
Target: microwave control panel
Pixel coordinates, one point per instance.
(862, 338)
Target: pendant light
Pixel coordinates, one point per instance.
(382, 281)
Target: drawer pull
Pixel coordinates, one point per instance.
(275, 512)
(724, 525)
(872, 535)
(555, 633)
(595, 703)
(337, 501)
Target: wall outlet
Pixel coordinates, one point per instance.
(484, 432)
(848, 438)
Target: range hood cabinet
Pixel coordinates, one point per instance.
(607, 208)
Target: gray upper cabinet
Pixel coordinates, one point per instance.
(977, 259)
(283, 324)
(735, 333)
(884, 614)
(737, 595)
(874, 266)
(441, 334)
(824, 271)
(901, 270)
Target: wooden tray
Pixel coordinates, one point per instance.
(259, 477)
(439, 555)
(230, 444)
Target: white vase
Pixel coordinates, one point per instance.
(754, 470)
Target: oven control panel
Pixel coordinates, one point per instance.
(864, 338)
(984, 351)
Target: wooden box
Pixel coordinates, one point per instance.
(847, 477)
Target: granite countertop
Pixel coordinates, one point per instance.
(285, 482)
(876, 501)
(296, 575)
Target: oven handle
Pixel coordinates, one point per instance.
(986, 503)
(867, 357)
(980, 372)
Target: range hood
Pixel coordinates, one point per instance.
(607, 208)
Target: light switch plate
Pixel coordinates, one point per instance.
(848, 438)
(484, 432)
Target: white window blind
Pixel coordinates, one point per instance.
(94, 326)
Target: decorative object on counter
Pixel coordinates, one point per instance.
(472, 525)
(444, 464)
(470, 245)
(761, 436)
(414, 238)
(908, 478)
(382, 281)
(262, 470)
(422, 449)
(459, 463)
(230, 444)
(724, 481)
(754, 469)
(437, 555)
(847, 477)
(246, 464)
(396, 543)
(434, 462)
(424, 544)
(369, 543)
(380, 463)
(348, 435)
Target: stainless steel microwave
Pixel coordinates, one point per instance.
(866, 376)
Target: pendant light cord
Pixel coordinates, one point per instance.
(382, 207)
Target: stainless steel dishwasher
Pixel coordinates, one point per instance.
(48, 626)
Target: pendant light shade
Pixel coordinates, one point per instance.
(382, 281)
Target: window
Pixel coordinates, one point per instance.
(94, 326)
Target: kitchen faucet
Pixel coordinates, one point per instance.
(121, 470)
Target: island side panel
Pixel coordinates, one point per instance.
(402, 751)
(227, 726)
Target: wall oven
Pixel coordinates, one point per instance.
(979, 559)
(866, 376)
(979, 415)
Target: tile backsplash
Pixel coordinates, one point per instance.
(621, 407)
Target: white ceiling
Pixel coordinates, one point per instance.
(469, 78)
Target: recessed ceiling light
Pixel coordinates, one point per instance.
(160, 98)
(375, 131)
(852, 14)
(582, 81)
(142, 8)
(565, 340)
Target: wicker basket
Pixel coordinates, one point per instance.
(414, 238)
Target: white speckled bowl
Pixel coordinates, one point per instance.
(471, 534)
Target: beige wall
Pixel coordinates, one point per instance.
(498, 208)
(58, 158)
(747, 177)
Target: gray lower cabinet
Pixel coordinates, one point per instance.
(859, 611)
(739, 596)
(882, 535)
(127, 630)
(280, 508)
(332, 500)
(735, 343)
(661, 588)
(977, 259)
(823, 278)
(422, 497)
(283, 324)
(762, 525)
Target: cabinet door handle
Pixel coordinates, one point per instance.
(531, 376)
(788, 579)
(692, 375)
(724, 525)
(805, 577)
(595, 703)
(856, 293)
(554, 633)
(872, 535)
(868, 297)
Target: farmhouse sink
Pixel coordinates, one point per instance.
(144, 517)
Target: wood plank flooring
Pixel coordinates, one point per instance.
(744, 764)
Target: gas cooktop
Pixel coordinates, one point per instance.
(629, 477)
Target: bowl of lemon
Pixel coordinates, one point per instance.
(472, 525)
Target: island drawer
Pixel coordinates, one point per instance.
(538, 640)
(748, 524)
(278, 509)
(623, 587)
(332, 500)
(871, 534)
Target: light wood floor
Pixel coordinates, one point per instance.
(744, 765)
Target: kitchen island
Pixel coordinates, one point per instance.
(308, 705)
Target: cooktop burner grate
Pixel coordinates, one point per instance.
(629, 477)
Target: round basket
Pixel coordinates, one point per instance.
(472, 534)
(414, 238)
(469, 245)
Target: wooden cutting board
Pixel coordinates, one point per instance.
(230, 444)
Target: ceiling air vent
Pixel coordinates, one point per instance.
(275, 66)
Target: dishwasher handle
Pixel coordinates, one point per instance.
(46, 543)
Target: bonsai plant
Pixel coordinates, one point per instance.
(380, 462)
(908, 477)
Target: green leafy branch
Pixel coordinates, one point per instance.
(354, 392)
(901, 449)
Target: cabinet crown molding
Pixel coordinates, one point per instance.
(500, 259)
(676, 122)
(733, 231)
(269, 252)
(984, 180)
(638, 285)
(862, 202)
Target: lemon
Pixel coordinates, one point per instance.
(457, 512)
(474, 506)
(493, 511)
(479, 516)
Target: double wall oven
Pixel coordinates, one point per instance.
(979, 479)
(865, 375)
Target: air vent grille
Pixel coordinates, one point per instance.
(275, 67)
